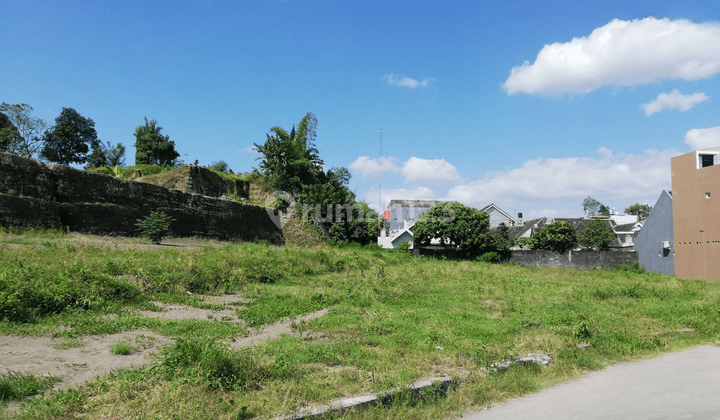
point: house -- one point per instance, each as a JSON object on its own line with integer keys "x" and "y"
{"x": 526, "y": 229}
{"x": 394, "y": 239}
{"x": 695, "y": 211}
{"x": 402, "y": 211}
{"x": 655, "y": 241}
{"x": 498, "y": 216}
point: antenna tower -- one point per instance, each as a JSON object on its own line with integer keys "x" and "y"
{"x": 380, "y": 176}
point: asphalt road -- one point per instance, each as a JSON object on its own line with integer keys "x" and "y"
{"x": 683, "y": 385}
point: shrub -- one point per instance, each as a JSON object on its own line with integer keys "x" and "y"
{"x": 154, "y": 226}
{"x": 403, "y": 246}
{"x": 597, "y": 235}
{"x": 214, "y": 363}
{"x": 557, "y": 236}
{"x": 489, "y": 257}
{"x": 630, "y": 268}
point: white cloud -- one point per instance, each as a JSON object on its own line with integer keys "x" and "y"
{"x": 418, "y": 193}
{"x": 622, "y": 53}
{"x": 371, "y": 168}
{"x": 404, "y": 81}
{"x": 428, "y": 172}
{"x": 674, "y": 100}
{"x": 610, "y": 176}
{"x": 703, "y": 138}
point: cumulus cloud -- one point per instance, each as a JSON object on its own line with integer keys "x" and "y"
{"x": 703, "y": 138}
{"x": 622, "y": 53}
{"x": 372, "y": 196}
{"x": 371, "y": 168}
{"x": 429, "y": 172}
{"x": 674, "y": 100}
{"x": 608, "y": 176}
{"x": 404, "y": 81}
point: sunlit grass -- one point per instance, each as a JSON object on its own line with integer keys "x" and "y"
{"x": 392, "y": 319}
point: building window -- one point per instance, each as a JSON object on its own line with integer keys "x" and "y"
{"x": 707, "y": 160}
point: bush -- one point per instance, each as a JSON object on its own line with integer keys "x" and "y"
{"x": 403, "y": 246}
{"x": 597, "y": 235}
{"x": 489, "y": 257}
{"x": 630, "y": 268}
{"x": 214, "y": 363}
{"x": 154, "y": 226}
{"x": 557, "y": 236}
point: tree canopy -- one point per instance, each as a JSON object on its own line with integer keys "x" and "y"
{"x": 291, "y": 161}
{"x": 456, "y": 225}
{"x": 20, "y": 132}
{"x": 557, "y": 236}
{"x": 592, "y": 207}
{"x": 153, "y": 148}
{"x": 70, "y": 139}
{"x": 641, "y": 210}
{"x": 597, "y": 235}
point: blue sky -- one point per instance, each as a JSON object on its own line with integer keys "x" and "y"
{"x": 462, "y": 118}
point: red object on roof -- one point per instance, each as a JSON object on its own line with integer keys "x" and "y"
{"x": 386, "y": 215}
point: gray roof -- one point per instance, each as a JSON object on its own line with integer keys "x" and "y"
{"x": 415, "y": 203}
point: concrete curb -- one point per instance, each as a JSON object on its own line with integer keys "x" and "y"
{"x": 365, "y": 401}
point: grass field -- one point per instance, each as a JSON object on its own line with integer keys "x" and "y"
{"x": 392, "y": 319}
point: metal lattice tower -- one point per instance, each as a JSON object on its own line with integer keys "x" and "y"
{"x": 380, "y": 176}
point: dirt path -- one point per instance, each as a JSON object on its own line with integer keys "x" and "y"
{"x": 44, "y": 355}
{"x": 87, "y": 358}
{"x": 275, "y": 330}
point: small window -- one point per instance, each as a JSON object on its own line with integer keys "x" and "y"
{"x": 707, "y": 160}
{"x": 707, "y": 195}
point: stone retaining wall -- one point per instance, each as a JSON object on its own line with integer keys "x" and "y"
{"x": 36, "y": 195}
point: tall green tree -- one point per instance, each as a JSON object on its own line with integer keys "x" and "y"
{"x": 23, "y": 134}
{"x": 597, "y": 236}
{"x": 153, "y": 148}
{"x": 641, "y": 210}
{"x": 8, "y": 133}
{"x": 291, "y": 161}
{"x": 70, "y": 139}
{"x": 592, "y": 207}
{"x": 114, "y": 155}
{"x": 557, "y": 236}
{"x": 456, "y": 225}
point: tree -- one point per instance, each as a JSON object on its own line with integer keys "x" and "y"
{"x": 458, "y": 225}
{"x": 641, "y": 210}
{"x": 154, "y": 226}
{"x": 70, "y": 140}
{"x": 8, "y": 133}
{"x": 557, "y": 236}
{"x": 290, "y": 161}
{"x": 97, "y": 158}
{"x": 604, "y": 210}
{"x": 592, "y": 207}
{"x": 114, "y": 155}
{"x": 597, "y": 235}
{"x": 363, "y": 230}
{"x": 25, "y": 139}
{"x": 152, "y": 148}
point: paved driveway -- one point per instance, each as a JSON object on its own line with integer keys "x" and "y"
{"x": 684, "y": 385}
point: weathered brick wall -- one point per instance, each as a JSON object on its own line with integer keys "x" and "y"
{"x": 579, "y": 260}
{"x": 33, "y": 194}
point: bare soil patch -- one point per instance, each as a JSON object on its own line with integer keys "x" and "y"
{"x": 41, "y": 355}
{"x": 275, "y": 330}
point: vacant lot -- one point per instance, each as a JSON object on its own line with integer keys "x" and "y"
{"x": 256, "y": 330}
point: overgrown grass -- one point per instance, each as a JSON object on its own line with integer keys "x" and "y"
{"x": 121, "y": 348}
{"x": 16, "y": 386}
{"x": 392, "y": 319}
